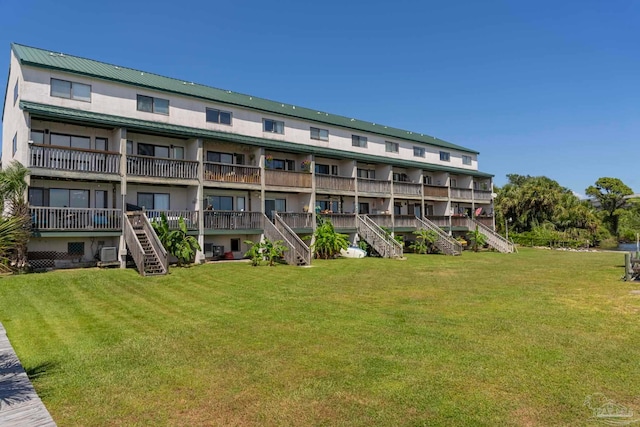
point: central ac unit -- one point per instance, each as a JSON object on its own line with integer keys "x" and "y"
{"x": 109, "y": 254}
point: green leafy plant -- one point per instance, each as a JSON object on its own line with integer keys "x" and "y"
{"x": 397, "y": 238}
{"x": 477, "y": 238}
{"x": 268, "y": 250}
{"x": 328, "y": 242}
{"x": 425, "y": 241}
{"x": 177, "y": 242}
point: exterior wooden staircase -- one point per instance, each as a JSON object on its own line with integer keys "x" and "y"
{"x": 445, "y": 243}
{"x": 148, "y": 253}
{"x": 297, "y": 253}
{"x": 379, "y": 240}
{"x": 494, "y": 239}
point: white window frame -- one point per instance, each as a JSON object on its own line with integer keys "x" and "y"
{"x": 359, "y": 141}
{"x": 154, "y": 108}
{"x": 277, "y": 126}
{"x": 419, "y": 151}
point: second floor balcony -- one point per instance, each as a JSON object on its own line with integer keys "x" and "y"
{"x": 377, "y": 186}
{"x": 283, "y": 178}
{"x": 407, "y": 189}
{"x": 335, "y": 183}
{"x": 46, "y": 218}
{"x": 223, "y": 172}
{"x": 482, "y": 195}
{"x": 161, "y": 168}
{"x": 233, "y": 220}
{"x": 190, "y": 218}
{"x": 461, "y": 193}
{"x": 73, "y": 159}
{"x": 435, "y": 191}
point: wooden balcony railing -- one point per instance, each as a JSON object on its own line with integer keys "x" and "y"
{"x": 233, "y": 220}
{"x": 73, "y": 159}
{"x": 460, "y": 221}
{"x": 161, "y": 168}
{"x": 405, "y": 221}
{"x": 407, "y": 188}
{"x": 173, "y": 218}
{"x": 231, "y": 173}
{"x": 287, "y": 178}
{"x": 435, "y": 191}
{"x": 340, "y": 220}
{"x": 439, "y": 220}
{"x": 481, "y": 195}
{"x": 382, "y": 220}
{"x": 366, "y": 185}
{"x": 49, "y": 219}
{"x": 330, "y": 182}
{"x": 485, "y": 220}
{"x": 461, "y": 193}
{"x": 297, "y": 220}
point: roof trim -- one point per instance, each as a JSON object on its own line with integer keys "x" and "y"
{"x": 41, "y": 58}
{"x": 86, "y": 117}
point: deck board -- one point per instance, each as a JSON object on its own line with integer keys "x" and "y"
{"x": 19, "y": 402}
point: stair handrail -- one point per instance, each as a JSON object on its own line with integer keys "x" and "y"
{"x": 137, "y": 253}
{"x": 504, "y": 244}
{"x": 271, "y": 230}
{"x": 396, "y": 248}
{"x": 299, "y": 246}
{"x": 443, "y": 236}
{"x": 156, "y": 244}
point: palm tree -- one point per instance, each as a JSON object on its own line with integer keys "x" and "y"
{"x": 15, "y": 223}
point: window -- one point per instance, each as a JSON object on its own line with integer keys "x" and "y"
{"x": 154, "y": 201}
{"x": 400, "y": 177}
{"x": 273, "y": 126}
{"x": 129, "y": 147}
{"x": 217, "y": 116}
{"x": 68, "y": 198}
{"x": 445, "y": 156}
{"x": 228, "y": 158}
{"x": 327, "y": 206}
{"x": 326, "y": 169}
{"x": 418, "y": 151}
{"x": 397, "y": 208}
{"x": 14, "y": 143}
{"x": 220, "y": 203}
{"x": 283, "y": 164}
{"x": 70, "y": 90}
{"x": 102, "y": 144}
{"x": 359, "y": 141}
{"x": 102, "y": 201}
{"x": 391, "y": 147}
{"x": 153, "y": 150}
{"x": 235, "y": 245}
{"x": 37, "y": 136}
{"x": 15, "y": 92}
{"x": 153, "y": 105}
{"x": 321, "y": 134}
{"x": 453, "y": 183}
{"x": 75, "y": 248}
{"x": 70, "y": 141}
{"x": 36, "y": 196}
{"x": 366, "y": 173}
{"x": 427, "y": 179}
{"x": 178, "y": 152}
{"x": 466, "y": 160}
{"x": 363, "y": 208}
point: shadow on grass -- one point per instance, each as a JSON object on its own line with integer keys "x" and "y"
{"x": 15, "y": 386}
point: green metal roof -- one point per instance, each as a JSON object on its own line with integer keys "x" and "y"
{"x": 87, "y": 117}
{"x": 73, "y": 64}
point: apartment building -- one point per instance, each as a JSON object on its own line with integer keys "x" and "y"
{"x": 111, "y": 148}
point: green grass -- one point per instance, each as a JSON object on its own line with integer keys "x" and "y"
{"x": 482, "y": 339}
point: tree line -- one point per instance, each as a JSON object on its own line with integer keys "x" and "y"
{"x": 537, "y": 210}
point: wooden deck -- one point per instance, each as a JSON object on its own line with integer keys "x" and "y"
{"x": 19, "y": 402}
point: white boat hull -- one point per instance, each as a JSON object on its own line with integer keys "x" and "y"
{"x": 353, "y": 253}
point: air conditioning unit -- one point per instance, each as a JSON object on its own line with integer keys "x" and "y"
{"x": 109, "y": 254}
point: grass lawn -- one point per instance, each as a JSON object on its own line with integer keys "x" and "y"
{"x": 482, "y": 339}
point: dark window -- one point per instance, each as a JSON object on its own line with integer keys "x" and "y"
{"x": 363, "y": 208}
{"x": 218, "y": 116}
{"x": 321, "y": 134}
{"x": 153, "y": 150}
{"x": 37, "y": 136}
{"x": 235, "y": 245}
{"x": 71, "y": 198}
{"x": 15, "y": 92}
{"x": 36, "y": 196}
{"x": 418, "y": 152}
{"x": 220, "y": 203}
{"x": 391, "y": 147}
{"x": 75, "y": 248}
{"x": 445, "y": 156}
{"x": 70, "y": 90}
{"x": 154, "y": 201}
{"x": 466, "y": 160}
{"x": 72, "y": 141}
{"x": 359, "y": 141}
{"x": 366, "y": 173}
{"x": 153, "y": 105}
{"x": 327, "y": 206}
{"x": 102, "y": 200}
{"x": 102, "y": 144}
{"x": 322, "y": 169}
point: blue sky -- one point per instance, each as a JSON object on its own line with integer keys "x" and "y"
{"x": 540, "y": 88}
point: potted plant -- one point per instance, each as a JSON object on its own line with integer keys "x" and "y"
{"x": 305, "y": 166}
{"x": 268, "y": 161}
